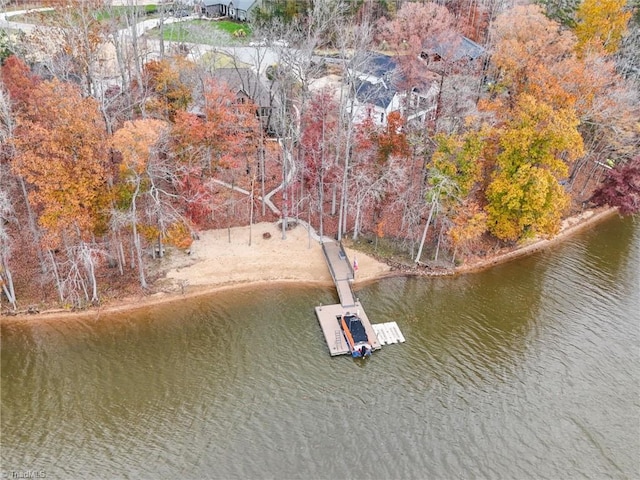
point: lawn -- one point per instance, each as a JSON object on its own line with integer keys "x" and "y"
{"x": 206, "y": 32}
{"x": 47, "y": 16}
{"x": 232, "y": 27}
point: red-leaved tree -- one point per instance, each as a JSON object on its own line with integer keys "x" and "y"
{"x": 621, "y": 188}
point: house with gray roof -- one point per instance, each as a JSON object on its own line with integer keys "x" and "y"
{"x": 235, "y": 9}
{"x": 380, "y": 90}
{"x": 247, "y": 87}
{"x": 454, "y": 50}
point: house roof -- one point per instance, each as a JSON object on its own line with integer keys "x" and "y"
{"x": 379, "y": 65}
{"x": 453, "y": 48}
{"x": 377, "y": 80}
{"x": 244, "y": 80}
{"x": 243, "y": 4}
{"x": 381, "y": 79}
{"x": 238, "y": 4}
{"x": 379, "y": 94}
{"x": 374, "y": 83}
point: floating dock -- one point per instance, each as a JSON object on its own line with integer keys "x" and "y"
{"x": 328, "y": 315}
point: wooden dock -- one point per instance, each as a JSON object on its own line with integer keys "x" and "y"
{"x": 328, "y": 315}
{"x": 341, "y": 271}
{"x": 328, "y": 319}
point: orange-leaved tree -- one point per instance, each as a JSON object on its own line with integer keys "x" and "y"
{"x": 529, "y": 50}
{"x": 166, "y": 91}
{"x": 221, "y": 142}
{"x": 60, "y": 152}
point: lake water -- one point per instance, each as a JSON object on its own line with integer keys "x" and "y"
{"x": 529, "y": 370}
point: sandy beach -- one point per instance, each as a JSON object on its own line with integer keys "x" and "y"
{"x": 243, "y": 255}
{"x": 231, "y": 258}
{"x": 251, "y": 256}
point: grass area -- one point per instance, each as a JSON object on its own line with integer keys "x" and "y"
{"x": 45, "y": 17}
{"x": 233, "y": 28}
{"x": 214, "y": 60}
{"x": 206, "y": 32}
{"x": 117, "y": 12}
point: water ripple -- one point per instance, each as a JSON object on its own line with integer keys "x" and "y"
{"x": 524, "y": 371}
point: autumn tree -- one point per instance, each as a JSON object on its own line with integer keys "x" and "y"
{"x": 536, "y": 146}
{"x": 391, "y": 139}
{"x": 534, "y": 56}
{"x": 6, "y": 216}
{"x": 406, "y": 34}
{"x": 290, "y": 86}
{"x": 601, "y": 24}
{"x": 621, "y": 188}
{"x": 468, "y": 226}
{"x": 441, "y": 188}
{"x": 529, "y": 50}
{"x": 472, "y": 18}
{"x": 166, "y": 89}
{"x": 73, "y": 37}
{"x": 220, "y": 147}
{"x": 453, "y": 171}
{"x": 60, "y": 152}
{"x": 19, "y": 82}
{"x": 378, "y": 168}
{"x": 137, "y": 144}
{"x": 319, "y": 131}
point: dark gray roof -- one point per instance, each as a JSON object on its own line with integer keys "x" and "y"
{"x": 453, "y": 48}
{"x": 247, "y": 81}
{"x": 379, "y": 65}
{"x": 384, "y": 69}
{"x": 379, "y": 94}
{"x": 239, "y": 4}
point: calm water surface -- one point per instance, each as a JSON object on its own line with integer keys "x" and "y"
{"x": 528, "y": 371}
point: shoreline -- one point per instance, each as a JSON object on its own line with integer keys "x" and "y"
{"x": 371, "y": 270}
{"x": 571, "y": 226}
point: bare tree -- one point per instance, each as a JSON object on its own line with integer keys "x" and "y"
{"x": 370, "y": 187}
{"x": 354, "y": 47}
{"x": 442, "y": 186}
{"x": 6, "y": 215}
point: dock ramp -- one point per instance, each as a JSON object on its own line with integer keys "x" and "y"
{"x": 343, "y": 275}
{"x": 341, "y": 271}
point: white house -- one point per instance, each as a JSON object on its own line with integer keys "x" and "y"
{"x": 235, "y": 9}
{"x": 379, "y": 92}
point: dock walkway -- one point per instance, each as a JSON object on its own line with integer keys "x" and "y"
{"x": 329, "y": 315}
{"x": 341, "y": 272}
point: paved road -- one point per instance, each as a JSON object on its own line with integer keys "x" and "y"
{"x": 24, "y": 27}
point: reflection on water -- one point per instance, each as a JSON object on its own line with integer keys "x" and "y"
{"x": 528, "y": 370}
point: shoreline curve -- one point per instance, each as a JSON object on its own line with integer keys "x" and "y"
{"x": 374, "y": 271}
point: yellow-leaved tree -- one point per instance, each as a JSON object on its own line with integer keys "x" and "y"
{"x": 525, "y": 197}
{"x": 601, "y": 24}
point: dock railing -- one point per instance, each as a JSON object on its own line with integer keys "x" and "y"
{"x": 337, "y": 258}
